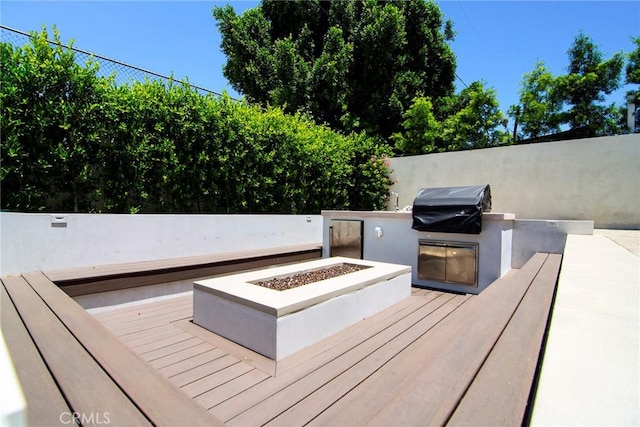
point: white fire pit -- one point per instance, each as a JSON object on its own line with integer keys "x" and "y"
{"x": 278, "y": 323}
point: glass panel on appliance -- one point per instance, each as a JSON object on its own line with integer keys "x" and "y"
{"x": 461, "y": 265}
{"x": 431, "y": 262}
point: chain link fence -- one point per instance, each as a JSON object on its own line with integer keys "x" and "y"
{"x": 123, "y": 73}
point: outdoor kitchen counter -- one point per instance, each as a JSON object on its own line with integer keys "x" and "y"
{"x": 387, "y": 236}
{"x": 337, "y": 214}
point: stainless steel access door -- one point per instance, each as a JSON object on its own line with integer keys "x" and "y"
{"x": 346, "y": 238}
{"x": 431, "y": 262}
{"x": 450, "y": 262}
{"x": 462, "y": 264}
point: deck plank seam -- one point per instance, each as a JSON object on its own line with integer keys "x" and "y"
{"x": 140, "y": 309}
{"x": 159, "y": 341}
{"x": 158, "y": 363}
{"x": 209, "y": 374}
{"x": 135, "y": 339}
{"x": 143, "y": 319}
{"x": 145, "y": 326}
{"x": 173, "y": 348}
{"x": 219, "y": 356}
{"x": 134, "y": 342}
{"x": 148, "y": 317}
{"x": 241, "y": 391}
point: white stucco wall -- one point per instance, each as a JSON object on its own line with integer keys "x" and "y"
{"x": 30, "y": 241}
{"x": 594, "y": 179}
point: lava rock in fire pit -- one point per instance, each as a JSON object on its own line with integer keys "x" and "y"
{"x": 311, "y": 276}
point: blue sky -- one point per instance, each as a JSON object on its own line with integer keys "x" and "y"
{"x": 497, "y": 41}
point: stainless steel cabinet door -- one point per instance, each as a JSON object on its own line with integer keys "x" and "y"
{"x": 450, "y": 262}
{"x": 461, "y": 265}
{"x": 346, "y": 238}
{"x": 431, "y": 262}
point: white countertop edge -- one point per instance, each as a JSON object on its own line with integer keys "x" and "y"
{"x": 487, "y": 216}
{"x": 238, "y": 289}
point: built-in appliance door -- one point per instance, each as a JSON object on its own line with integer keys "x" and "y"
{"x": 346, "y": 238}
{"x": 431, "y": 262}
{"x": 450, "y": 262}
{"x": 462, "y": 264}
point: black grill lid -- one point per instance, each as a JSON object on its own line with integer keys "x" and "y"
{"x": 451, "y": 209}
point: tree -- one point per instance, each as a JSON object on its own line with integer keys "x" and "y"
{"x": 353, "y": 65}
{"x": 583, "y": 89}
{"x": 472, "y": 120}
{"x": 632, "y": 71}
{"x": 421, "y": 129}
{"x": 539, "y": 108}
{"x": 476, "y": 120}
{"x": 575, "y": 99}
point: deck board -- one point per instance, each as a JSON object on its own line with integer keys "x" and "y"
{"x": 181, "y": 355}
{"x": 143, "y": 310}
{"x": 222, "y": 376}
{"x": 149, "y": 336}
{"x": 206, "y": 370}
{"x": 191, "y": 362}
{"x": 46, "y": 403}
{"x": 145, "y": 388}
{"x": 511, "y": 365}
{"x": 167, "y": 346}
{"x": 320, "y": 395}
{"x": 151, "y": 321}
{"x": 232, "y": 388}
{"x": 408, "y": 364}
{"x": 65, "y": 357}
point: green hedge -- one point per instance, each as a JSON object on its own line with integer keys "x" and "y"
{"x": 74, "y": 141}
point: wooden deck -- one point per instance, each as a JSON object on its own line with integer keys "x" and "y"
{"x": 433, "y": 359}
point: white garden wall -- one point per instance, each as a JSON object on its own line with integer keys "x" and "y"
{"x": 594, "y": 179}
{"x": 48, "y": 242}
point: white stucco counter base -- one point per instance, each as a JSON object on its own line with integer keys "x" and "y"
{"x": 279, "y": 323}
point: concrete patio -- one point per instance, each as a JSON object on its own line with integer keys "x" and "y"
{"x": 591, "y": 369}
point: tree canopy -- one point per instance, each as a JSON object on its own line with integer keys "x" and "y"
{"x": 632, "y": 71}
{"x": 353, "y": 65}
{"x": 470, "y": 119}
{"x": 574, "y": 99}
{"x": 537, "y": 113}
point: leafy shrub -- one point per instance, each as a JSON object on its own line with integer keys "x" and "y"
{"x": 74, "y": 141}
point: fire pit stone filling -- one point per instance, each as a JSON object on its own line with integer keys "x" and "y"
{"x": 310, "y": 276}
{"x": 277, "y": 323}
